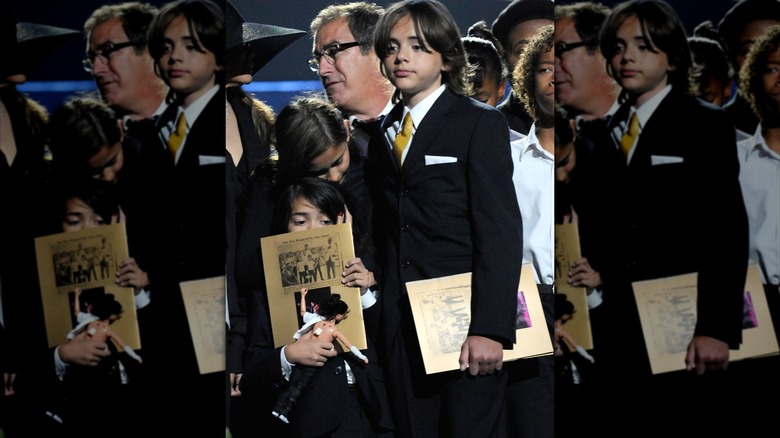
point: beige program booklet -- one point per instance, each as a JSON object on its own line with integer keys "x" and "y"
{"x": 667, "y": 311}
{"x": 567, "y": 250}
{"x": 311, "y": 259}
{"x": 204, "y": 302}
{"x": 441, "y": 308}
{"x": 87, "y": 260}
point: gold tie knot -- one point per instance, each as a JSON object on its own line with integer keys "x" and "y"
{"x": 177, "y": 136}
{"x": 402, "y": 138}
{"x": 629, "y": 137}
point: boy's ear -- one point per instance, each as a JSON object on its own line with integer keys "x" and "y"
{"x": 502, "y": 90}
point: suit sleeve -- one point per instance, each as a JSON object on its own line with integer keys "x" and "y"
{"x": 496, "y": 229}
{"x": 723, "y": 254}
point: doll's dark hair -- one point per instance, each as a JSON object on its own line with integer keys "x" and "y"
{"x": 331, "y": 306}
{"x": 106, "y": 305}
{"x": 563, "y": 306}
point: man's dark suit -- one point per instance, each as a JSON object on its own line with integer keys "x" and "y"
{"x": 445, "y": 219}
{"x": 660, "y": 210}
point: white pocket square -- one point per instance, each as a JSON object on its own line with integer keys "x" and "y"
{"x": 210, "y": 159}
{"x": 664, "y": 159}
{"x": 439, "y": 159}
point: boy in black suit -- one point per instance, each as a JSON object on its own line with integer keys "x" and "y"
{"x": 186, "y": 174}
{"x": 452, "y": 210}
{"x": 671, "y": 161}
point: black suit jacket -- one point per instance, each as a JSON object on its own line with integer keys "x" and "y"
{"x": 450, "y": 218}
{"x": 682, "y": 182}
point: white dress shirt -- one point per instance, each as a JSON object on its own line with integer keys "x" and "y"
{"x": 534, "y": 176}
{"x": 759, "y": 177}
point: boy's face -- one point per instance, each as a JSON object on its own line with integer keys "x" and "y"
{"x": 640, "y": 71}
{"x": 545, "y": 85}
{"x": 518, "y": 38}
{"x": 772, "y": 80}
{"x": 305, "y": 216}
{"x": 415, "y": 72}
{"x": 750, "y": 32}
{"x": 186, "y": 70}
{"x": 80, "y": 216}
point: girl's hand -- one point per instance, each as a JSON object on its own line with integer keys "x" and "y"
{"x": 130, "y": 274}
{"x": 355, "y": 274}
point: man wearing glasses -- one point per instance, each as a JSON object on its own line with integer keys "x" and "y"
{"x": 582, "y": 85}
{"x": 118, "y": 59}
{"x": 344, "y": 59}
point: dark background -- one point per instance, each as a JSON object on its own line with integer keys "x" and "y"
{"x": 287, "y": 75}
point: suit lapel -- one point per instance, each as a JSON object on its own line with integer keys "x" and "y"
{"x": 429, "y": 129}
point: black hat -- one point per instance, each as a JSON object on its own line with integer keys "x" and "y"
{"x": 519, "y": 11}
{"x": 742, "y": 13}
{"x": 263, "y": 40}
{"x": 26, "y": 44}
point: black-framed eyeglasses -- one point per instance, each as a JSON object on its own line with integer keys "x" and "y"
{"x": 329, "y": 53}
{"x": 562, "y": 48}
{"x": 104, "y": 52}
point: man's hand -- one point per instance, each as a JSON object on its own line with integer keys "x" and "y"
{"x": 582, "y": 274}
{"x": 130, "y": 274}
{"x": 309, "y": 351}
{"x": 707, "y": 354}
{"x": 8, "y": 384}
{"x": 235, "y": 381}
{"x": 83, "y": 350}
{"x": 481, "y": 355}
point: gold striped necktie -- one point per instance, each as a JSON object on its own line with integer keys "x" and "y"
{"x": 402, "y": 138}
{"x": 177, "y": 136}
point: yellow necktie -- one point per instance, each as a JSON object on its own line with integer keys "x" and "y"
{"x": 629, "y": 137}
{"x": 177, "y": 136}
{"x": 402, "y": 138}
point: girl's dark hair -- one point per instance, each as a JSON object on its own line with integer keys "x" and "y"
{"x": 206, "y": 23}
{"x": 438, "y": 30}
{"x": 99, "y": 195}
{"x": 483, "y": 52}
{"x": 662, "y": 30}
{"x": 322, "y": 194}
{"x": 709, "y": 61}
{"x": 106, "y": 305}
{"x": 77, "y": 130}
{"x": 305, "y": 128}
{"x": 751, "y": 77}
{"x": 525, "y": 70}
{"x": 331, "y": 306}
{"x": 330, "y": 198}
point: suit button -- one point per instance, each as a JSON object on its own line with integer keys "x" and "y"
{"x": 405, "y": 227}
{"x": 405, "y": 264}
{"x": 337, "y": 371}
